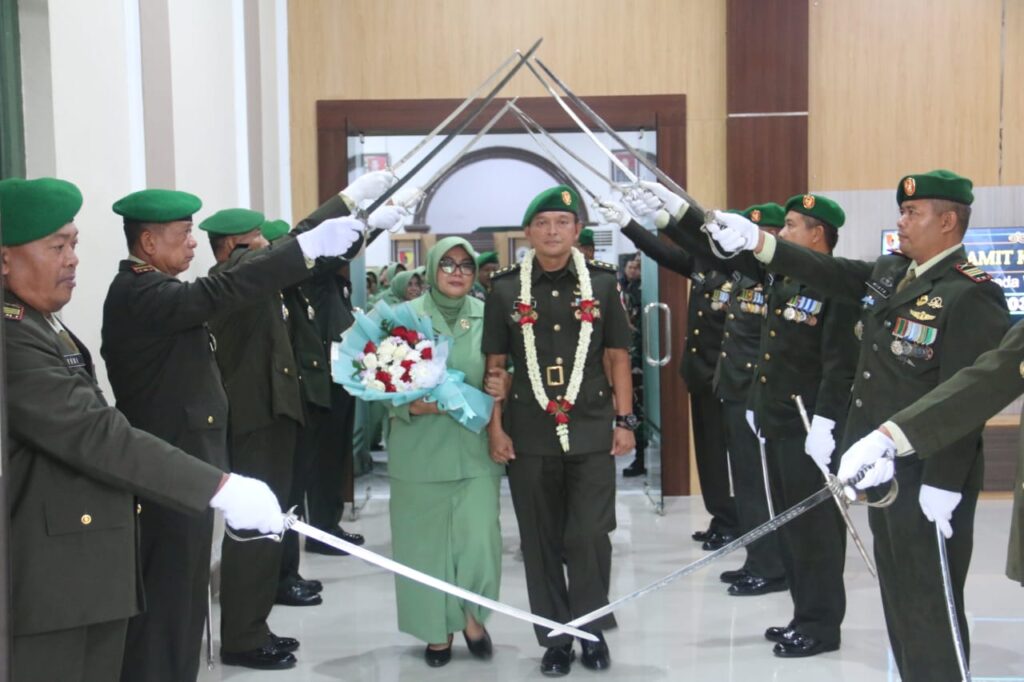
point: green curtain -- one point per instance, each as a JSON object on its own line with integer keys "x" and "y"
{"x": 12, "y": 124}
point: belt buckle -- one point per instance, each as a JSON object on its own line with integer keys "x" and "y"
{"x": 555, "y": 375}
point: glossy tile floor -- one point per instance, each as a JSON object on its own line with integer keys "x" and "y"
{"x": 690, "y": 630}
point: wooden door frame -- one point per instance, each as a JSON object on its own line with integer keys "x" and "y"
{"x": 337, "y": 120}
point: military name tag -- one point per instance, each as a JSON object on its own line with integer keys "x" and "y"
{"x": 74, "y": 361}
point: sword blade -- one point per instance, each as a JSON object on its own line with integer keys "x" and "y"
{"x": 209, "y": 627}
{"x": 429, "y": 580}
{"x": 954, "y": 622}
{"x": 554, "y": 159}
{"x": 451, "y": 117}
{"x": 764, "y": 473}
{"x": 740, "y": 542}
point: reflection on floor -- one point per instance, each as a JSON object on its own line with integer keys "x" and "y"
{"x": 690, "y": 630}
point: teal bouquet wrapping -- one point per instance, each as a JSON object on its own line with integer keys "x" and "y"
{"x": 394, "y": 355}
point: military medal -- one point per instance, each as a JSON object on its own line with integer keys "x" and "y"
{"x": 720, "y": 298}
{"x": 310, "y": 312}
{"x": 790, "y": 314}
{"x": 858, "y": 329}
{"x": 913, "y": 339}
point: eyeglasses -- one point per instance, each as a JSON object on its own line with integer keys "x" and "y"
{"x": 449, "y": 266}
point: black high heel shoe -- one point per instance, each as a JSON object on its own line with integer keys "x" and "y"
{"x": 436, "y": 658}
{"x": 480, "y": 648}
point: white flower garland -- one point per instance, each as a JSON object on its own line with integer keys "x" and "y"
{"x": 558, "y": 410}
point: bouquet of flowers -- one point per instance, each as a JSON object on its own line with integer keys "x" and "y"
{"x": 393, "y": 355}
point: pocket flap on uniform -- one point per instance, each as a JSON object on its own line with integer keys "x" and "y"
{"x": 65, "y": 518}
{"x": 206, "y": 417}
{"x": 314, "y": 361}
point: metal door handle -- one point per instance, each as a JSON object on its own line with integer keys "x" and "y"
{"x": 648, "y": 332}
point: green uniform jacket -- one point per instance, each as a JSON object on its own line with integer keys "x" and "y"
{"x": 705, "y": 313}
{"x": 435, "y": 447}
{"x": 958, "y": 407}
{"x": 310, "y": 353}
{"x": 557, "y": 333}
{"x": 75, "y": 465}
{"x": 160, "y": 352}
{"x": 810, "y": 355}
{"x": 963, "y": 314}
{"x": 741, "y": 339}
{"x": 255, "y": 355}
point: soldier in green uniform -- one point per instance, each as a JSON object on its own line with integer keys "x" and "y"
{"x": 926, "y": 313}
{"x": 632, "y": 300}
{"x": 585, "y": 243}
{"x": 160, "y": 360}
{"x": 486, "y": 265}
{"x": 76, "y": 463}
{"x": 557, "y": 317}
{"x": 808, "y": 349}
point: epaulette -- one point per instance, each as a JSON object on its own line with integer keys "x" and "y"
{"x": 601, "y": 265}
{"x": 505, "y": 271}
{"x": 14, "y": 312}
{"x": 972, "y": 272}
{"x": 142, "y": 268}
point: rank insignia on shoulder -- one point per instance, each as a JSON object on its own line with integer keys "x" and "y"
{"x": 506, "y": 270}
{"x": 972, "y": 272}
{"x": 601, "y": 265}
{"x": 142, "y": 268}
{"x": 14, "y": 312}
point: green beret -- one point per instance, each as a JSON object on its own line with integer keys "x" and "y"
{"x": 33, "y": 209}
{"x": 766, "y": 215}
{"x": 232, "y": 221}
{"x": 274, "y": 229}
{"x": 937, "y": 184}
{"x": 586, "y": 237}
{"x": 157, "y": 206}
{"x": 817, "y": 206}
{"x": 560, "y": 198}
{"x": 485, "y": 257}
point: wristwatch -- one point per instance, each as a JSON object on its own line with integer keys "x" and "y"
{"x": 627, "y": 421}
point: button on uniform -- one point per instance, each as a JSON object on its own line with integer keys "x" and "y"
{"x": 86, "y": 519}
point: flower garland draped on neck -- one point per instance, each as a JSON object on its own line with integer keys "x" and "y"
{"x": 528, "y": 317}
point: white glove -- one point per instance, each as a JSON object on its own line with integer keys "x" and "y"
{"x": 674, "y": 203}
{"x": 248, "y": 504}
{"x": 333, "y": 237}
{"x": 409, "y": 197}
{"x": 938, "y": 505}
{"x": 733, "y": 232}
{"x": 614, "y": 212}
{"x": 387, "y": 217}
{"x": 820, "y": 443}
{"x": 641, "y": 203}
{"x": 875, "y": 450}
{"x": 369, "y": 186}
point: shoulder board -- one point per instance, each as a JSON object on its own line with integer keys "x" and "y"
{"x": 142, "y": 268}
{"x": 14, "y": 311}
{"x": 505, "y": 271}
{"x": 972, "y": 272}
{"x": 601, "y": 265}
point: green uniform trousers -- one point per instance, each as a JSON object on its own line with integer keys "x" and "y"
{"x": 565, "y": 506}
{"x": 907, "y": 557}
{"x": 713, "y": 461}
{"x": 813, "y": 544}
{"x": 250, "y": 570}
{"x": 91, "y": 653}
{"x": 450, "y": 530}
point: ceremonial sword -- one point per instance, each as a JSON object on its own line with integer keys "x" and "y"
{"x": 954, "y": 622}
{"x": 526, "y": 126}
{"x": 833, "y": 487}
{"x": 839, "y": 497}
{"x": 764, "y": 473}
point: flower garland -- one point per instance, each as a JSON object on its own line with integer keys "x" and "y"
{"x": 527, "y": 317}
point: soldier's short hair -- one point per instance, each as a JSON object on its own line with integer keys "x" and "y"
{"x": 961, "y": 211}
{"x": 831, "y": 231}
{"x": 133, "y": 230}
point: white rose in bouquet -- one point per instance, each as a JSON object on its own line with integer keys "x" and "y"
{"x": 370, "y": 361}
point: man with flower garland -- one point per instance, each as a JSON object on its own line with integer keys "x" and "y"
{"x": 560, "y": 319}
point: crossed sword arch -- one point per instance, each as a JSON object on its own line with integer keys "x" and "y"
{"x": 833, "y": 486}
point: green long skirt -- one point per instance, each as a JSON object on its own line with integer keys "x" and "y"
{"x": 449, "y": 530}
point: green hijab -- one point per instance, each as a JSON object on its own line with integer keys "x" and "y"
{"x": 399, "y": 284}
{"x": 390, "y": 270}
{"x": 449, "y": 307}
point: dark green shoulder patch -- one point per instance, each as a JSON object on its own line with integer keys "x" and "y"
{"x": 14, "y": 312}
{"x": 142, "y": 268}
{"x": 601, "y": 265}
{"x": 972, "y": 272}
{"x": 505, "y": 271}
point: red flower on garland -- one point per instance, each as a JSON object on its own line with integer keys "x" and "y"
{"x": 587, "y": 310}
{"x": 559, "y": 410}
{"x": 527, "y": 315}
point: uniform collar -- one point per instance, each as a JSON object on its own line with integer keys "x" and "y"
{"x": 539, "y": 272}
{"x": 920, "y": 269}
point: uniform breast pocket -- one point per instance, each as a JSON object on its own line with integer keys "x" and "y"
{"x": 595, "y": 397}
{"x": 84, "y": 511}
{"x": 312, "y": 363}
{"x": 206, "y": 418}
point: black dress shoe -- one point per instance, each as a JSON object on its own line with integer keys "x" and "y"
{"x": 731, "y": 577}
{"x": 480, "y": 648}
{"x": 296, "y": 595}
{"x": 436, "y": 658}
{"x": 595, "y": 655}
{"x": 314, "y": 586}
{"x": 634, "y": 469}
{"x": 285, "y": 644}
{"x": 557, "y": 660}
{"x": 264, "y": 658}
{"x": 701, "y": 535}
{"x": 778, "y": 634}
{"x": 796, "y": 645}
{"x": 354, "y": 538}
{"x": 717, "y": 541}
{"x": 753, "y": 585}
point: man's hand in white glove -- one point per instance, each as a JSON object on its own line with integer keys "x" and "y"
{"x": 641, "y": 202}
{"x": 333, "y": 237}
{"x": 409, "y": 197}
{"x": 369, "y": 186}
{"x": 938, "y": 505}
{"x": 614, "y": 212}
{"x": 820, "y": 443}
{"x": 248, "y": 504}
{"x": 876, "y": 450}
{"x": 387, "y": 217}
{"x": 674, "y": 204}
{"x": 733, "y": 232}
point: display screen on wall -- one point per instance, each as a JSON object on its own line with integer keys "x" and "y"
{"x": 999, "y": 251}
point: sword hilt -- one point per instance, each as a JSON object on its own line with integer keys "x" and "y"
{"x": 710, "y": 219}
{"x": 837, "y": 485}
